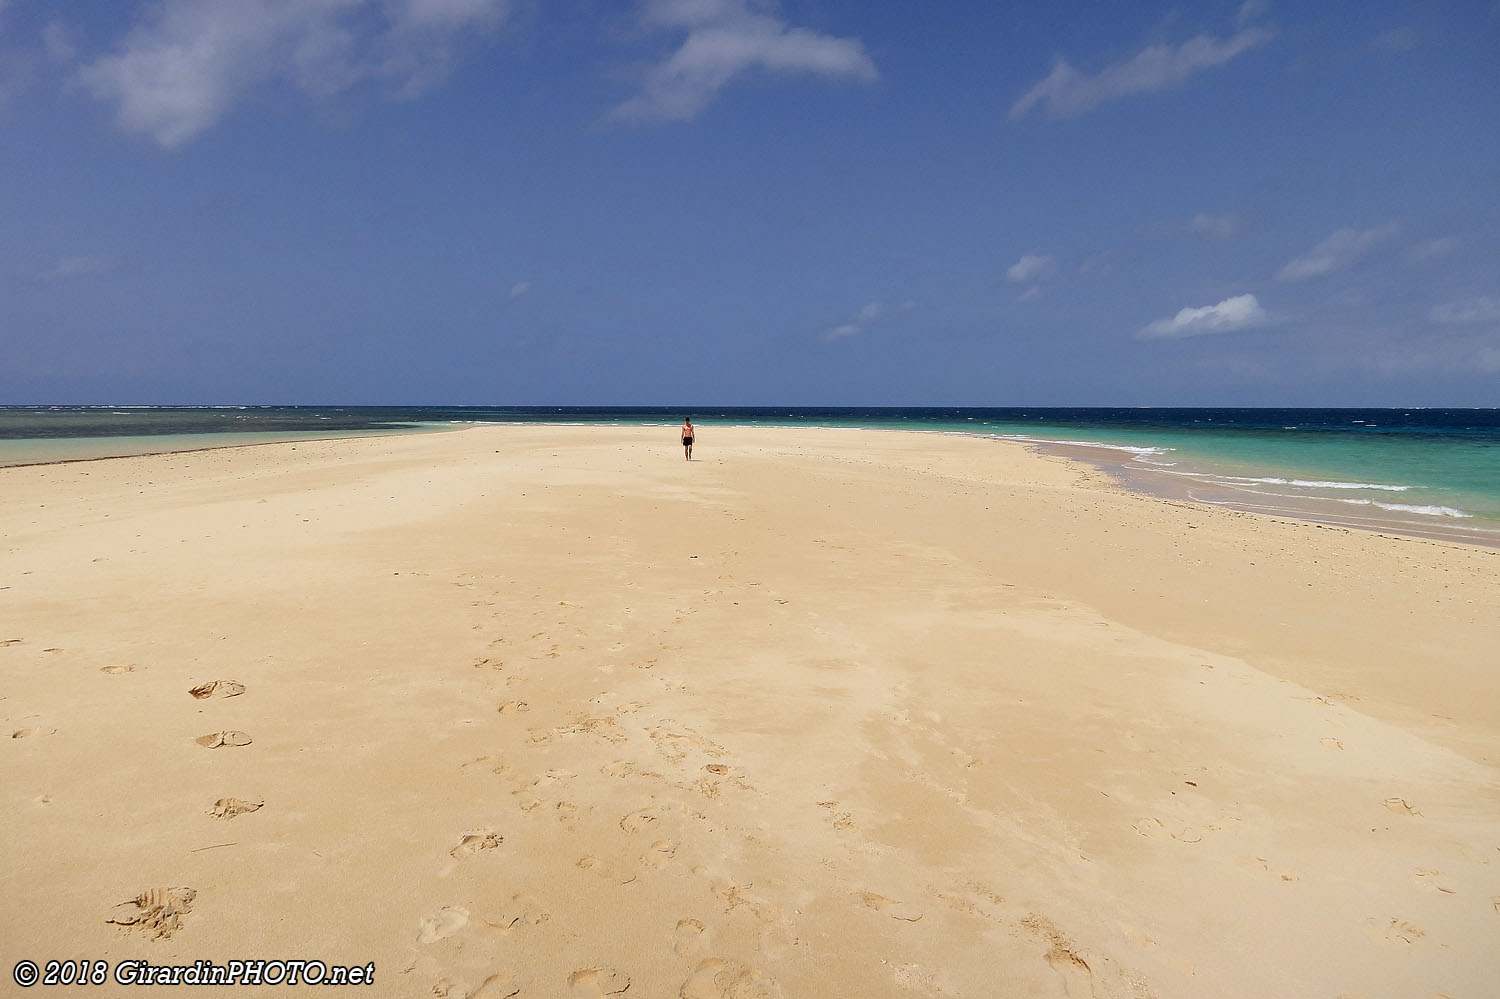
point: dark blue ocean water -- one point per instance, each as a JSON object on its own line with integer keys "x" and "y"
{"x": 1413, "y": 467}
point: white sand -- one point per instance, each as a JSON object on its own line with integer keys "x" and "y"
{"x": 820, "y": 713}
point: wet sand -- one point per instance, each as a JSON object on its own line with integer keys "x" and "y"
{"x": 1143, "y": 478}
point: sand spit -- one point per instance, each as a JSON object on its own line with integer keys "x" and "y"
{"x": 548, "y": 711}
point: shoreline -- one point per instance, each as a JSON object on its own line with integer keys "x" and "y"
{"x": 1132, "y": 477}
{"x": 227, "y": 443}
{"x": 1106, "y": 458}
{"x": 795, "y": 718}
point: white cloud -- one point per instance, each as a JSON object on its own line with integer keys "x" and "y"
{"x": 1473, "y": 310}
{"x": 1249, "y": 11}
{"x": 57, "y": 41}
{"x": 70, "y": 268}
{"x": 422, "y": 43}
{"x": 185, "y": 63}
{"x": 1431, "y": 249}
{"x": 867, "y": 315}
{"x": 1238, "y": 313}
{"x": 1065, "y": 91}
{"x": 1030, "y": 294}
{"x": 726, "y": 38}
{"x": 1216, "y": 226}
{"x": 1031, "y": 267}
{"x": 1335, "y": 253}
{"x": 519, "y": 288}
{"x": 1099, "y": 265}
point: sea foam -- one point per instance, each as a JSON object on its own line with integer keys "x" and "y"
{"x": 1319, "y": 483}
{"x": 1129, "y": 448}
{"x": 1426, "y": 510}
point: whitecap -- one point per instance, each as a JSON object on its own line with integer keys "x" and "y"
{"x": 1130, "y": 448}
{"x": 1432, "y": 511}
{"x": 1316, "y": 483}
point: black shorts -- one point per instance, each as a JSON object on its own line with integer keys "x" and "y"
{"x": 687, "y": 442}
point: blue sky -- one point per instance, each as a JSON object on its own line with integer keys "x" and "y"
{"x": 745, "y": 202}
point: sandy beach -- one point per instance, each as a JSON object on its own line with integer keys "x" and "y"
{"x": 549, "y": 711}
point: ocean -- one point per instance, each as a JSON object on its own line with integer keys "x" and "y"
{"x": 1421, "y": 472}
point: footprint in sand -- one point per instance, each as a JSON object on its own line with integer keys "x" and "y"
{"x": 1332, "y": 743}
{"x": 474, "y": 841}
{"x": 526, "y": 800}
{"x": 733, "y": 895}
{"x": 444, "y": 923}
{"x": 598, "y": 982}
{"x": 501, "y": 986}
{"x": 116, "y": 670}
{"x": 842, "y": 821}
{"x": 1152, "y": 828}
{"x": 1400, "y": 807}
{"x": 1400, "y": 931}
{"x": 605, "y": 870}
{"x": 26, "y": 733}
{"x": 659, "y": 853}
{"x": 228, "y": 808}
{"x": 675, "y": 746}
{"x": 1428, "y": 878}
{"x": 690, "y": 938}
{"x": 603, "y": 727}
{"x": 539, "y": 736}
{"x": 513, "y": 707}
{"x": 1078, "y": 980}
{"x": 567, "y": 814}
{"x": 218, "y": 688}
{"x": 1265, "y": 865}
{"x": 641, "y": 819}
{"x": 892, "y": 908}
{"x": 619, "y": 768}
{"x": 524, "y": 909}
{"x": 218, "y": 740}
{"x": 718, "y": 978}
{"x": 157, "y": 912}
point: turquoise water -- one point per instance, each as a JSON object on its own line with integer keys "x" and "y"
{"x": 1453, "y": 478}
{"x": 1448, "y": 488}
{"x": 1423, "y": 471}
{"x": 45, "y": 450}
